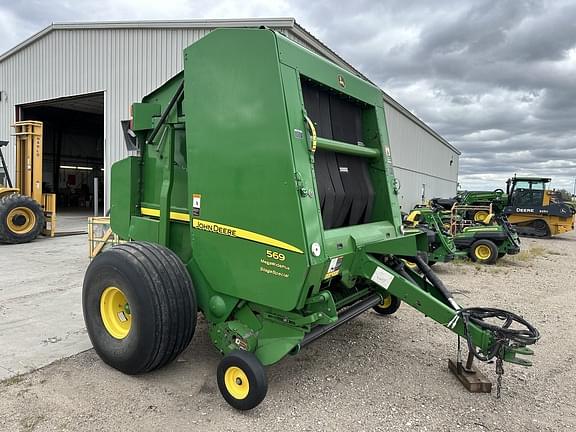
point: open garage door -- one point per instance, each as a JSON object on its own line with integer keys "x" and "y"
{"x": 73, "y": 153}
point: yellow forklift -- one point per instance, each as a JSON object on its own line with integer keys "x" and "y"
{"x": 25, "y": 211}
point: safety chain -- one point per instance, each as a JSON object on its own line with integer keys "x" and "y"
{"x": 499, "y": 372}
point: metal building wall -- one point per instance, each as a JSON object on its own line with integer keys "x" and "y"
{"x": 422, "y": 163}
{"x": 127, "y": 63}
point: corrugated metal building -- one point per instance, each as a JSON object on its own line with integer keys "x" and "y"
{"x": 80, "y": 79}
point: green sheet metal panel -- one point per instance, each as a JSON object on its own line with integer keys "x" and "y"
{"x": 240, "y": 165}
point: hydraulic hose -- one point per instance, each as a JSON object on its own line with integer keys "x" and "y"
{"x": 503, "y": 336}
{"x": 435, "y": 280}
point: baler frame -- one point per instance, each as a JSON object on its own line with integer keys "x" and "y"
{"x": 184, "y": 221}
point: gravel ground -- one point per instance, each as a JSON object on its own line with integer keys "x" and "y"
{"x": 374, "y": 373}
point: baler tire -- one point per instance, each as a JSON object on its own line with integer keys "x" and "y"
{"x": 388, "y": 306}
{"x": 21, "y": 219}
{"x": 242, "y": 380}
{"x": 152, "y": 285}
{"x": 484, "y": 251}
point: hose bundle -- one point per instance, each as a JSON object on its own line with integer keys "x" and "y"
{"x": 503, "y": 335}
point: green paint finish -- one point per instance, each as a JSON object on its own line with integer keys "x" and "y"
{"x": 143, "y": 228}
{"x": 327, "y": 144}
{"x": 275, "y": 340}
{"x": 241, "y": 119}
{"x": 303, "y": 168}
{"x": 167, "y": 183}
{"x": 443, "y": 248}
{"x": 143, "y": 115}
{"x": 323, "y": 71}
{"x": 229, "y": 184}
{"x": 124, "y": 195}
{"x": 448, "y": 246}
{"x": 427, "y": 301}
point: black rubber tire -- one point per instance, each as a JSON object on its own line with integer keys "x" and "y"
{"x": 491, "y": 259}
{"x": 162, "y": 304}
{"x": 388, "y": 310}
{"x": 10, "y": 202}
{"x": 255, "y": 372}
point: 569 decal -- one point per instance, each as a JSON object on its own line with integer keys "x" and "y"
{"x": 275, "y": 255}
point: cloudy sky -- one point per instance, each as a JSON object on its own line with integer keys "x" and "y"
{"x": 496, "y": 78}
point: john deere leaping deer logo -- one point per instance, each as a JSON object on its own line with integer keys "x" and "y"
{"x": 341, "y": 81}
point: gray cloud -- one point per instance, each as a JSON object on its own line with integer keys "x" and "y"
{"x": 496, "y": 78}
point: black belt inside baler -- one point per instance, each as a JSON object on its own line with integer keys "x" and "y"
{"x": 349, "y": 313}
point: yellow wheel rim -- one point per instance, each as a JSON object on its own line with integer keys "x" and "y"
{"x": 480, "y": 216}
{"x": 236, "y": 382}
{"x": 115, "y": 312}
{"x": 482, "y": 252}
{"x": 386, "y": 303}
{"x": 21, "y": 220}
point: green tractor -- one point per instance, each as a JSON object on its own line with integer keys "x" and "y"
{"x": 263, "y": 197}
{"x": 455, "y": 233}
{"x": 441, "y": 246}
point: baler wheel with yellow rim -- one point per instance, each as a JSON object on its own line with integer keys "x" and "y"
{"x": 139, "y": 306}
{"x": 484, "y": 252}
{"x": 389, "y": 305}
{"x": 242, "y": 380}
{"x": 21, "y": 219}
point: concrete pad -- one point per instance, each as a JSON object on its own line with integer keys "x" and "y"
{"x": 40, "y": 302}
{"x": 72, "y": 221}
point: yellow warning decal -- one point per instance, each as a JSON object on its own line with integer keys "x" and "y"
{"x": 241, "y": 233}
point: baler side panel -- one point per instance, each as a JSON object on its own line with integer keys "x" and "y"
{"x": 124, "y": 195}
{"x": 240, "y": 164}
{"x": 153, "y": 169}
{"x": 383, "y": 173}
{"x": 154, "y": 154}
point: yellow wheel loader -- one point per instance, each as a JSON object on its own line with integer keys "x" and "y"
{"x": 25, "y": 211}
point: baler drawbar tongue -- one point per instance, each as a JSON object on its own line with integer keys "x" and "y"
{"x": 485, "y": 339}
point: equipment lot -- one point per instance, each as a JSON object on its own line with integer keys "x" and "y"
{"x": 374, "y": 373}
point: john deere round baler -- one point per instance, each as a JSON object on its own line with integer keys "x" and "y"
{"x": 263, "y": 197}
